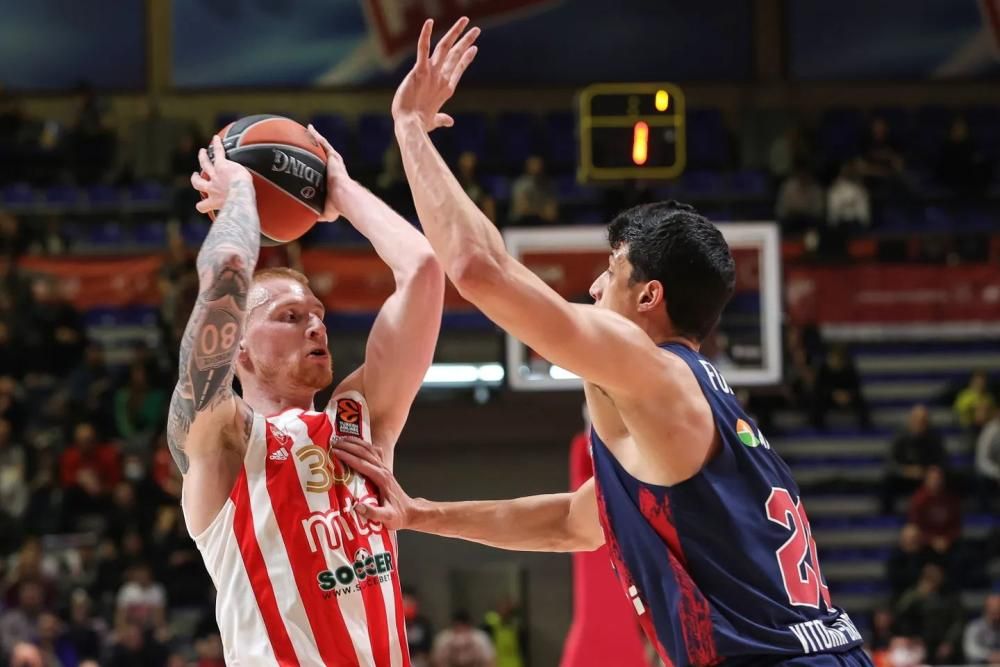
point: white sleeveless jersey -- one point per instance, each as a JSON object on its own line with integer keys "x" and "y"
{"x": 302, "y": 579}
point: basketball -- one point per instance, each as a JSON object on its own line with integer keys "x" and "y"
{"x": 288, "y": 169}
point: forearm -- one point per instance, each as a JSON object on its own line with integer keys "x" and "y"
{"x": 454, "y": 225}
{"x": 211, "y": 340}
{"x": 397, "y": 242}
{"x": 533, "y": 523}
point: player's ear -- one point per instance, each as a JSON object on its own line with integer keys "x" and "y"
{"x": 651, "y": 296}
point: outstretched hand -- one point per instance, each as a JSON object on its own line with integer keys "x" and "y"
{"x": 433, "y": 79}
{"x": 397, "y": 508}
{"x": 218, "y": 173}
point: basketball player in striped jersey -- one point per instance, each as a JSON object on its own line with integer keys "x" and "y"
{"x": 302, "y": 579}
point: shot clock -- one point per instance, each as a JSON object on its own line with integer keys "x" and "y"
{"x": 631, "y": 131}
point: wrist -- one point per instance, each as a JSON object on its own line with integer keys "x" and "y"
{"x": 420, "y": 514}
{"x": 407, "y": 121}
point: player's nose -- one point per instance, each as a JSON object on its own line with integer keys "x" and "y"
{"x": 596, "y": 291}
{"x": 316, "y": 330}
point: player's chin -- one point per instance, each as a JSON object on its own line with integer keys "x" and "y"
{"x": 316, "y": 376}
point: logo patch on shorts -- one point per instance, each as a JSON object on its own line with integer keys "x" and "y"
{"x": 348, "y": 418}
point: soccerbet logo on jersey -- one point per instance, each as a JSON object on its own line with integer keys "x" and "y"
{"x": 746, "y": 434}
{"x": 367, "y": 570}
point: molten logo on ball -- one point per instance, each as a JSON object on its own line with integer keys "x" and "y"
{"x": 289, "y": 165}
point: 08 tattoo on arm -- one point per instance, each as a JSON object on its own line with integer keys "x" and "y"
{"x": 211, "y": 340}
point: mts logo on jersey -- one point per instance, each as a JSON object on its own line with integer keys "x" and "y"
{"x": 332, "y": 529}
{"x": 368, "y": 569}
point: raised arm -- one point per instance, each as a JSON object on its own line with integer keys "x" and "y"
{"x": 205, "y": 414}
{"x": 558, "y": 522}
{"x": 472, "y": 251}
{"x": 401, "y": 343}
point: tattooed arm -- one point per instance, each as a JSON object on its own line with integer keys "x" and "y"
{"x": 205, "y": 415}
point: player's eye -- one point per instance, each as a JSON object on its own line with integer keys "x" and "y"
{"x": 291, "y": 316}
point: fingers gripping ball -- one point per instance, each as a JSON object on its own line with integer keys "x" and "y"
{"x": 288, "y": 169}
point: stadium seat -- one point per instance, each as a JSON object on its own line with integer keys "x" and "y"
{"x": 841, "y": 133}
{"x": 336, "y": 129}
{"x": 707, "y": 139}
{"x": 470, "y": 133}
{"x": 149, "y": 193}
{"x": 150, "y": 234}
{"x": 374, "y": 137}
{"x": 103, "y": 195}
{"x": 18, "y": 194}
{"x": 560, "y": 141}
{"x": 62, "y": 196}
{"x": 750, "y": 183}
{"x": 498, "y": 186}
{"x": 516, "y": 138}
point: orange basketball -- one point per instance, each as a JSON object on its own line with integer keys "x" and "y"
{"x": 288, "y": 169}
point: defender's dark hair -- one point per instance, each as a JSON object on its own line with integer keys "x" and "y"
{"x": 671, "y": 242}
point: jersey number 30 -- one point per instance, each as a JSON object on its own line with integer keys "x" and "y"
{"x": 797, "y": 558}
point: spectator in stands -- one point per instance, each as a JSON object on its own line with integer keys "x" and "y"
{"x": 139, "y": 409}
{"x": 55, "y": 647}
{"x": 44, "y": 513}
{"x": 462, "y": 645}
{"x": 847, "y": 202}
{"x": 19, "y": 623}
{"x": 532, "y": 196}
{"x": 883, "y": 625}
{"x": 108, "y": 575}
{"x": 54, "y": 332}
{"x": 881, "y": 163}
{"x": 838, "y": 387}
{"x": 937, "y": 512}
{"x": 907, "y": 560}
{"x": 789, "y": 149}
{"x": 981, "y": 642}
{"x": 391, "y": 183}
{"x": 933, "y": 612}
{"x": 26, "y": 655}
{"x": 14, "y": 240}
{"x": 469, "y": 178}
{"x": 987, "y": 464}
{"x": 968, "y": 402}
{"x": 962, "y": 167}
{"x": 918, "y": 447}
{"x": 12, "y": 403}
{"x": 88, "y": 454}
{"x": 184, "y": 160}
{"x": 84, "y": 630}
{"x": 149, "y": 150}
{"x": 505, "y": 629}
{"x": 419, "y": 631}
{"x": 30, "y": 566}
{"x": 905, "y": 652}
{"x": 136, "y": 648}
{"x": 90, "y": 386}
{"x": 92, "y": 140}
{"x": 800, "y": 201}
{"x": 13, "y": 488}
{"x": 178, "y": 283}
{"x": 11, "y": 355}
{"x": 141, "y": 601}
{"x": 176, "y": 560}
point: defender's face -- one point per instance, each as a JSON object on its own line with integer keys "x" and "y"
{"x": 612, "y": 290}
{"x": 285, "y": 339}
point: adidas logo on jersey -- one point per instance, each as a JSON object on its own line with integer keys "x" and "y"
{"x": 279, "y": 455}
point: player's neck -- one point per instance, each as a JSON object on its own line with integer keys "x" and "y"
{"x": 269, "y": 403}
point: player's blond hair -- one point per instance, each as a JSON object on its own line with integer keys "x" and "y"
{"x": 281, "y": 272}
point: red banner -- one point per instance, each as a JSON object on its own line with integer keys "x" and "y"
{"x": 106, "y": 281}
{"x": 888, "y": 294}
{"x": 396, "y": 25}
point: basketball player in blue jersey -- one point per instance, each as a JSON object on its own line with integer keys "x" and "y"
{"x": 707, "y": 531}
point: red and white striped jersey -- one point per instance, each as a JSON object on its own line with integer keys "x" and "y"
{"x": 302, "y": 579}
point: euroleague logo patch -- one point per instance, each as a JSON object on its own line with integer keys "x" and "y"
{"x": 348, "y": 418}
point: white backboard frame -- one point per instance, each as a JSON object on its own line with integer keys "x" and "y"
{"x": 761, "y": 234}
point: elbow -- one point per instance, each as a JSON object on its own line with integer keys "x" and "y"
{"x": 475, "y": 272}
{"x": 427, "y": 274}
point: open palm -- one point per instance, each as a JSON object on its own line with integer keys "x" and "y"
{"x": 433, "y": 79}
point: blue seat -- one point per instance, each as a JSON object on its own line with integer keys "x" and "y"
{"x": 335, "y": 128}
{"x": 194, "y": 232}
{"x": 516, "y": 138}
{"x": 707, "y": 139}
{"x": 841, "y": 132}
{"x": 150, "y": 234}
{"x": 498, "y": 186}
{"x": 107, "y": 234}
{"x": 103, "y": 195}
{"x": 703, "y": 183}
{"x": 469, "y": 134}
{"x": 749, "y": 183}
{"x": 62, "y": 196}
{"x": 560, "y": 140}
{"x": 374, "y": 136}
{"x": 149, "y": 192}
{"x": 18, "y": 194}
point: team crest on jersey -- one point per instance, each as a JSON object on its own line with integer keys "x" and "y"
{"x": 348, "y": 421}
{"x": 280, "y": 437}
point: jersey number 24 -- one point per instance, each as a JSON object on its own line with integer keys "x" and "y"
{"x": 797, "y": 557}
